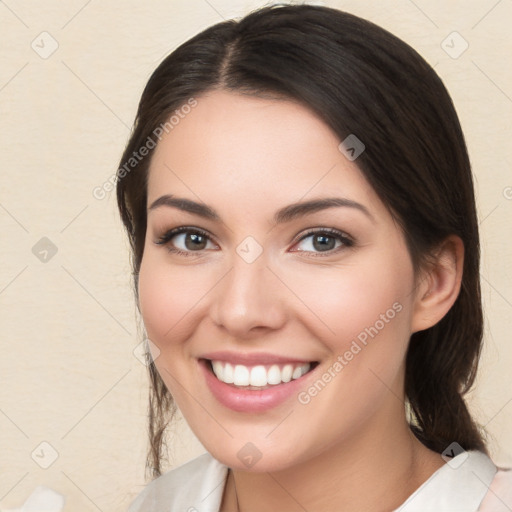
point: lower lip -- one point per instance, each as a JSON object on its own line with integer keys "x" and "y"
{"x": 245, "y": 400}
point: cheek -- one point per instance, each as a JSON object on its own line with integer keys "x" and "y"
{"x": 167, "y": 297}
{"x": 343, "y": 303}
{"x": 364, "y": 321}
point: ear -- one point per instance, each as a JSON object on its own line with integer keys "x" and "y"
{"x": 439, "y": 284}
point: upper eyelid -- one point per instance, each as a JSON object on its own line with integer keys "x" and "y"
{"x": 171, "y": 233}
{"x": 330, "y": 231}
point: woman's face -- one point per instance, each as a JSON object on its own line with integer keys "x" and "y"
{"x": 269, "y": 287}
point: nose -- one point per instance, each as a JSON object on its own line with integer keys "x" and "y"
{"x": 248, "y": 300}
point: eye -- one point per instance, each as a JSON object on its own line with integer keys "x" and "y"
{"x": 184, "y": 240}
{"x": 326, "y": 240}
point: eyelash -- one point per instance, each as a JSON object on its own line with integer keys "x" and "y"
{"x": 346, "y": 240}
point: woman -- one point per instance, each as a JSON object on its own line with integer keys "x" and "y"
{"x": 299, "y": 201}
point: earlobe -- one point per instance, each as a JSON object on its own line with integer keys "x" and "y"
{"x": 440, "y": 284}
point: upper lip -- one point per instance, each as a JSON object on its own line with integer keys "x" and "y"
{"x": 251, "y": 359}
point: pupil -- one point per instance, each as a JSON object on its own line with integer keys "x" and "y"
{"x": 197, "y": 243}
{"x": 319, "y": 242}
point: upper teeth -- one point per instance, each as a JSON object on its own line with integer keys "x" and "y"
{"x": 241, "y": 375}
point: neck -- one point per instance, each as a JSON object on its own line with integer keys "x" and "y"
{"x": 372, "y": 472}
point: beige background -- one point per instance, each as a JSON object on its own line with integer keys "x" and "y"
{"x": 69, "y": 376}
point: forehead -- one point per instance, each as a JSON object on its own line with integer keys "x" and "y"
{"x": 251, "y": 149}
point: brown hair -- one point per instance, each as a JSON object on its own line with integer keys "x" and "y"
{"x": 362, "y": 80}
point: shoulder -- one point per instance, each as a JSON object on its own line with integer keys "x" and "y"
{"x": 195, "y": 486}
{"x": 499, "y": 496}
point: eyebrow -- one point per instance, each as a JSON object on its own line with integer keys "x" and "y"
{"x": 285, "y": 214}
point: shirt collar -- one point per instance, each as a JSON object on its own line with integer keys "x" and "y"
{"x": 458, "y": 486}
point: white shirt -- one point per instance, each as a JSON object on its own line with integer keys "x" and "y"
{"x": 469, "y": 481}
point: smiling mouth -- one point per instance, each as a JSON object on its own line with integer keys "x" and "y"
{"x": 258, "y": 377}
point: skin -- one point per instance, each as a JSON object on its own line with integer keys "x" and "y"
{"x": 349, "y": 448}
